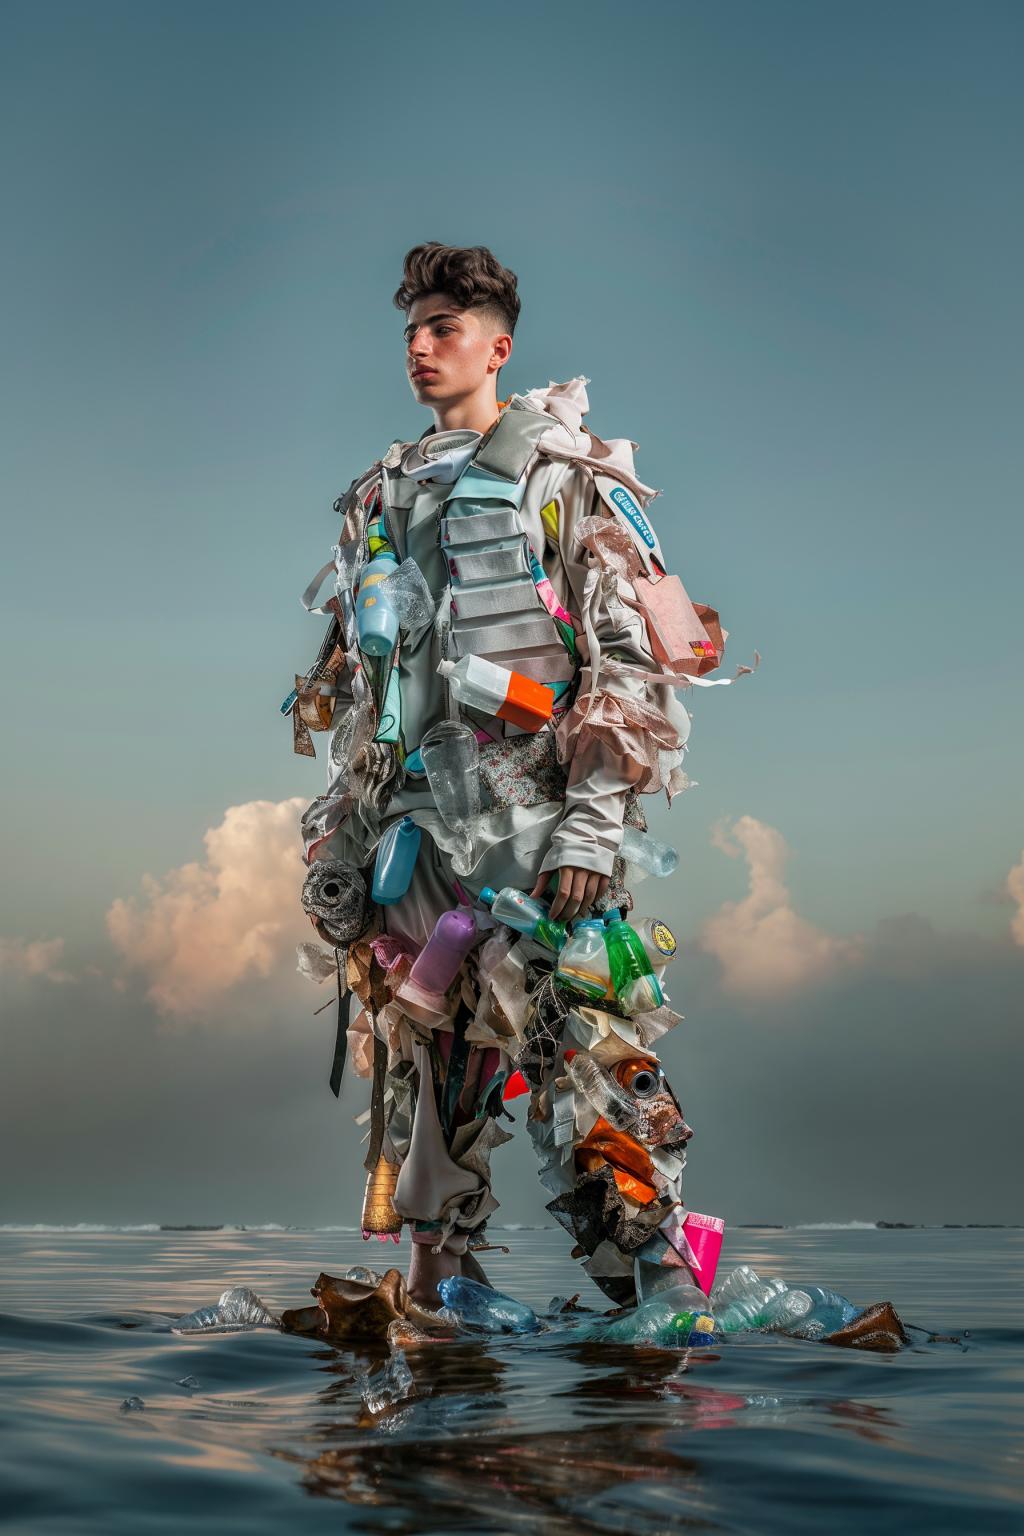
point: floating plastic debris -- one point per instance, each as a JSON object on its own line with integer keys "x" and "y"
{"x": 237, "y": 1308}
{"x": 469, "y": 1304}
{"x": 133, "y": 1405}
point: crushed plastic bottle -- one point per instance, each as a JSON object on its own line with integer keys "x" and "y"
{"x": 405, "y": 588}
{"x": 663, "y": 1321}
{"x": 645, "y": 852}
{"x": 383, "y": 1388}
{"x": 467, "y": 1303}
{"x": 603, "y": 1092}
{"x": 237, "y": 1308}
{"x": 825, "y": 1312}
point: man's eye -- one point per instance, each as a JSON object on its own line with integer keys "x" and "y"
{"x": 443, "y": 330}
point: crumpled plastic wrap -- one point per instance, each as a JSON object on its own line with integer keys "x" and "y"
{"x": 631, "y": 729}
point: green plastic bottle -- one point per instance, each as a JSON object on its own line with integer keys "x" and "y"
{"x": 636, "y": 986}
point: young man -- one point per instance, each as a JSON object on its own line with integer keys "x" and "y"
{"x": 523, "y": 538}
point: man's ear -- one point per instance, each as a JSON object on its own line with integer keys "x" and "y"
{"x": 501, "y": 351}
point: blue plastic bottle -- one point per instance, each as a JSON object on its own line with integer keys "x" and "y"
{"x": 397, "y": 852}
{"x": 376, "y": 619}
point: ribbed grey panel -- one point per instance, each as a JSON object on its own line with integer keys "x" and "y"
{"x": 503, "y": 597}
{"x": 481, "y": 528}
{"x": 496, "y": 639}
{"x": 490, "y": 563}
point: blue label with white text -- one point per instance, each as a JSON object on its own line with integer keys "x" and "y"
{"x": 628, "y": 507}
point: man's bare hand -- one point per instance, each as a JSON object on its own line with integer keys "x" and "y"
{"x": 578, "y": 889}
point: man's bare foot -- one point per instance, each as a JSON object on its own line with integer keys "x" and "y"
{"x": 426, "y": 1269}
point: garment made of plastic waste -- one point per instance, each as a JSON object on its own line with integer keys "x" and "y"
{"x": 500, "y": 680}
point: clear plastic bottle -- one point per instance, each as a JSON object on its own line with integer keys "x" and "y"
{"x": 376, "y": 619}
{"x": 583, "y": 962}
{"x": 662, "y": 1321}
{"x": 645, "y": 852}
{"x": 636, "y": 986}
{"x": 826, "y": 1312}
{"x": 437, "y": 964}
{"x": 396, "y": 859}
{"x": 603, "y": 1092}
{"x": 526, "y": 914}
{"x": 450, "y": 755}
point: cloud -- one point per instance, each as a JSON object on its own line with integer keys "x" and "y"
{"x": 29, "y": 959}
{"x": 205, "y": 927}
{"x": 1015, "y": 889}
{"x": 764, "y": 947}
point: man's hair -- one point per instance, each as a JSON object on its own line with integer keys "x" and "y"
{"x": 470, "y": 275}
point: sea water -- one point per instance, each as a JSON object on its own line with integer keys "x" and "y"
{"x": 110, "y": 1423}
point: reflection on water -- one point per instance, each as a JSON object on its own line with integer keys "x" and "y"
{"x": 268, "y": 1432}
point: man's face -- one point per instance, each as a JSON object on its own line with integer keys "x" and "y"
{"x": 450, "y": 351}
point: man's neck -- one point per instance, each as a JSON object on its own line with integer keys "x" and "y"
{"x": 475, "y": 413}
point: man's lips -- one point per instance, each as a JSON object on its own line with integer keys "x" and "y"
{"x": 425, "y": 373}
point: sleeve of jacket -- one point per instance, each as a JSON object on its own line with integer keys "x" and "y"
{"x": 621, "y": 732}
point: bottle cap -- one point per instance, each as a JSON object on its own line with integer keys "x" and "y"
{"x": 488, "y": 896}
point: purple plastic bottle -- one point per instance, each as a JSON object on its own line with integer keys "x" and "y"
{"x": 438, "y": 962}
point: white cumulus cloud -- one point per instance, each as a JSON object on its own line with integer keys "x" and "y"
{"x": 30, "y": 959}
{"x": 1015, "y": 886}
{"x": 207, "y": 926}
{"x": 764, "y": 947}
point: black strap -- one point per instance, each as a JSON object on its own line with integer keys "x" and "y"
{"x": 341, "y": 1038}
{"x": 380, "y": 1067}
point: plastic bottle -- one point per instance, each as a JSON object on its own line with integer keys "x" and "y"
{"x": 376, "y": 619}
{"x": 603, "y": 1092}
{"x": 645, "y": 852}
{"x": 660, "y": 1321}
{"x": 438, "y": 962}
{"x": 396, "y": 860}
{"x": 748, "y": 1310}
{"x": 526, "y": 914}
{"x": 583, "y": 963}
{"x": 636, "y": 986}
{"x": 450, "y": 755}
{"x": 478, "y": 1306}
{"x": 826, "y": 1312}
{"x": 658, "y": 940}
{"x": 495, "y": 691}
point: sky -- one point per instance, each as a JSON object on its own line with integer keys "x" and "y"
{"x": 783, "y": 242}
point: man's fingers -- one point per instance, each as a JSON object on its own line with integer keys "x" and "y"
{"x": 541, "y": 886}
{"x": 562, "y": 894}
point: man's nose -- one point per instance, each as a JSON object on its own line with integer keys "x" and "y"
{"x": 418, "y": 343}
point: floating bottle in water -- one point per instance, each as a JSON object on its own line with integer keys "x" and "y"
{"x": 826, "y": 1311}
{"x": 661, "y": 1321}
{"x": 396, "y": 859}
{"x": 478, "y": 1306}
